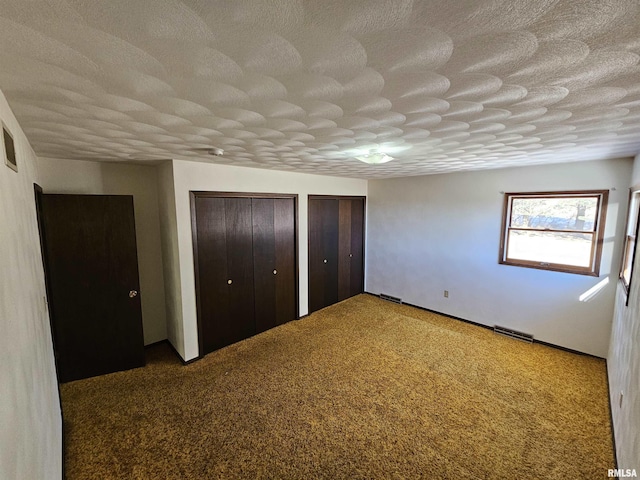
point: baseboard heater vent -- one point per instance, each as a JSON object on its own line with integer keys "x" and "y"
{"x": 525, "y": 337}
{"x": 389, "y": 298}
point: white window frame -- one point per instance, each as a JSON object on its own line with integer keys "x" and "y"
{"x": 630, "y": 239}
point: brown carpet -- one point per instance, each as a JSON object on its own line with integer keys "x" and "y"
{"x": 362, "y": 389}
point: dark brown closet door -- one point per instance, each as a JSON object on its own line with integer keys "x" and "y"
{"x": 284, "y": 219}
{"x": 350, "y": 263}
{"x": 225, "y": 271}
{"x": 356, "y": 253}
{"x": 92, "y": 277}
{"x": 344, "y": 249}
{"x": 264, "y": 263}
{"x": 323, "y": 252}
{"x": 274, "y": 261}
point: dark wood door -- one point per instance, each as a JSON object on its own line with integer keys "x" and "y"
{"x": 323, "y": 252}
{"x": 92, "y": 276}
{"x": 344, "y": 249}
{"x": 225, "y": 289}
{"x": 274, "y": 261}
{"x": 350, "y": 247}
{"x": 356, "y": 253}
{"x": 285, "y": 222}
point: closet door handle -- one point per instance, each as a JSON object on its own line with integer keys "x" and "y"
{"x": 133, "y": 293}
{"x": 324, "y": 261}
{"x": 275, "y": 272}
{"x": 351, "y": 255}
{"x": 229, "y": 282}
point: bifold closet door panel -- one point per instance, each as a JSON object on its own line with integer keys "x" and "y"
{"x": 274, "y": 261}
{"x": 344, "y": 249}
{"x": 240, "y": 266}
{"x": 284, "y": 218}
{"x": 323, "y": 253}
{"x": 356, "y": 253}
{"x": 225, "y": 270}
{"x": 264, "y": 263}
{"x": 350, "y": 254}
{"x": 213, "y": 291}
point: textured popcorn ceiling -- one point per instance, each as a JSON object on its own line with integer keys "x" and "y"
{"x": 441, "y": 85}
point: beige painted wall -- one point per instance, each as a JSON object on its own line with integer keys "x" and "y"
{"x": 189, "y": 176}
{"x": 30, "y": 420}
{"x": 80, "y": 177}
{"x": 442, "y": 232}
{"x": 624, "y": 364}
{"x": 170, "y": 258}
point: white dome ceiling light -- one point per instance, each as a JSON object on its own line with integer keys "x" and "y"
{"x": 374, "y": 157}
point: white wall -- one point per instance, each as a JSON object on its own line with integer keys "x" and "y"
{"x": 31, "y": 433}
{"x": 623, "y": 364}
{"x": 442, "y": 232}
{"x": 170, "y": 257}
{"x": 80, "y": 177}
{"x": 208, "y": 177}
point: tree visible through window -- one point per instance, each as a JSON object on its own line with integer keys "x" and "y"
{"x": 559, "y": 231}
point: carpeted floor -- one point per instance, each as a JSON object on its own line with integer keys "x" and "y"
{"x": 363, "y": 389}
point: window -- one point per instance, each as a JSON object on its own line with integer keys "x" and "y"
{"x": 630, "y": 241}
{"x": 560, "y": 231}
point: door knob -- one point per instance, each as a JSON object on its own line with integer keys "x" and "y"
{"x": 229, "y": 282}
{"x": 325, "y": 260}
{"x": 275, "y": 272}
{"x": 350, "y": 255}
{"x": 133, "y": 293}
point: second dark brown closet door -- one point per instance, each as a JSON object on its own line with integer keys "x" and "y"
{"x": 336, "y": 253}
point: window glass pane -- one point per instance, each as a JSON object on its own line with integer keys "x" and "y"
{"x": 633, "y": 214}
{"x": 628, "y": 258}
{"x": 571, "y": 213}
{"x": 550, "y": 247}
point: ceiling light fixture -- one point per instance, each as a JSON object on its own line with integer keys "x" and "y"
{"x": 374, "y": 157}
{"x": 215, "y": 151}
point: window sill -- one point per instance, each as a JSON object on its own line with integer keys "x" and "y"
{"x": 551, "y": 267}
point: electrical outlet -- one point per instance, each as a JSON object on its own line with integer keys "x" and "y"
{"x": 446, "y": 294}
{"x": 621, "y": 395}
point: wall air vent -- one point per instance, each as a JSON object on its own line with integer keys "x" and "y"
{"x": 389, "y": 298}
{"x": 525, "y": 337}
